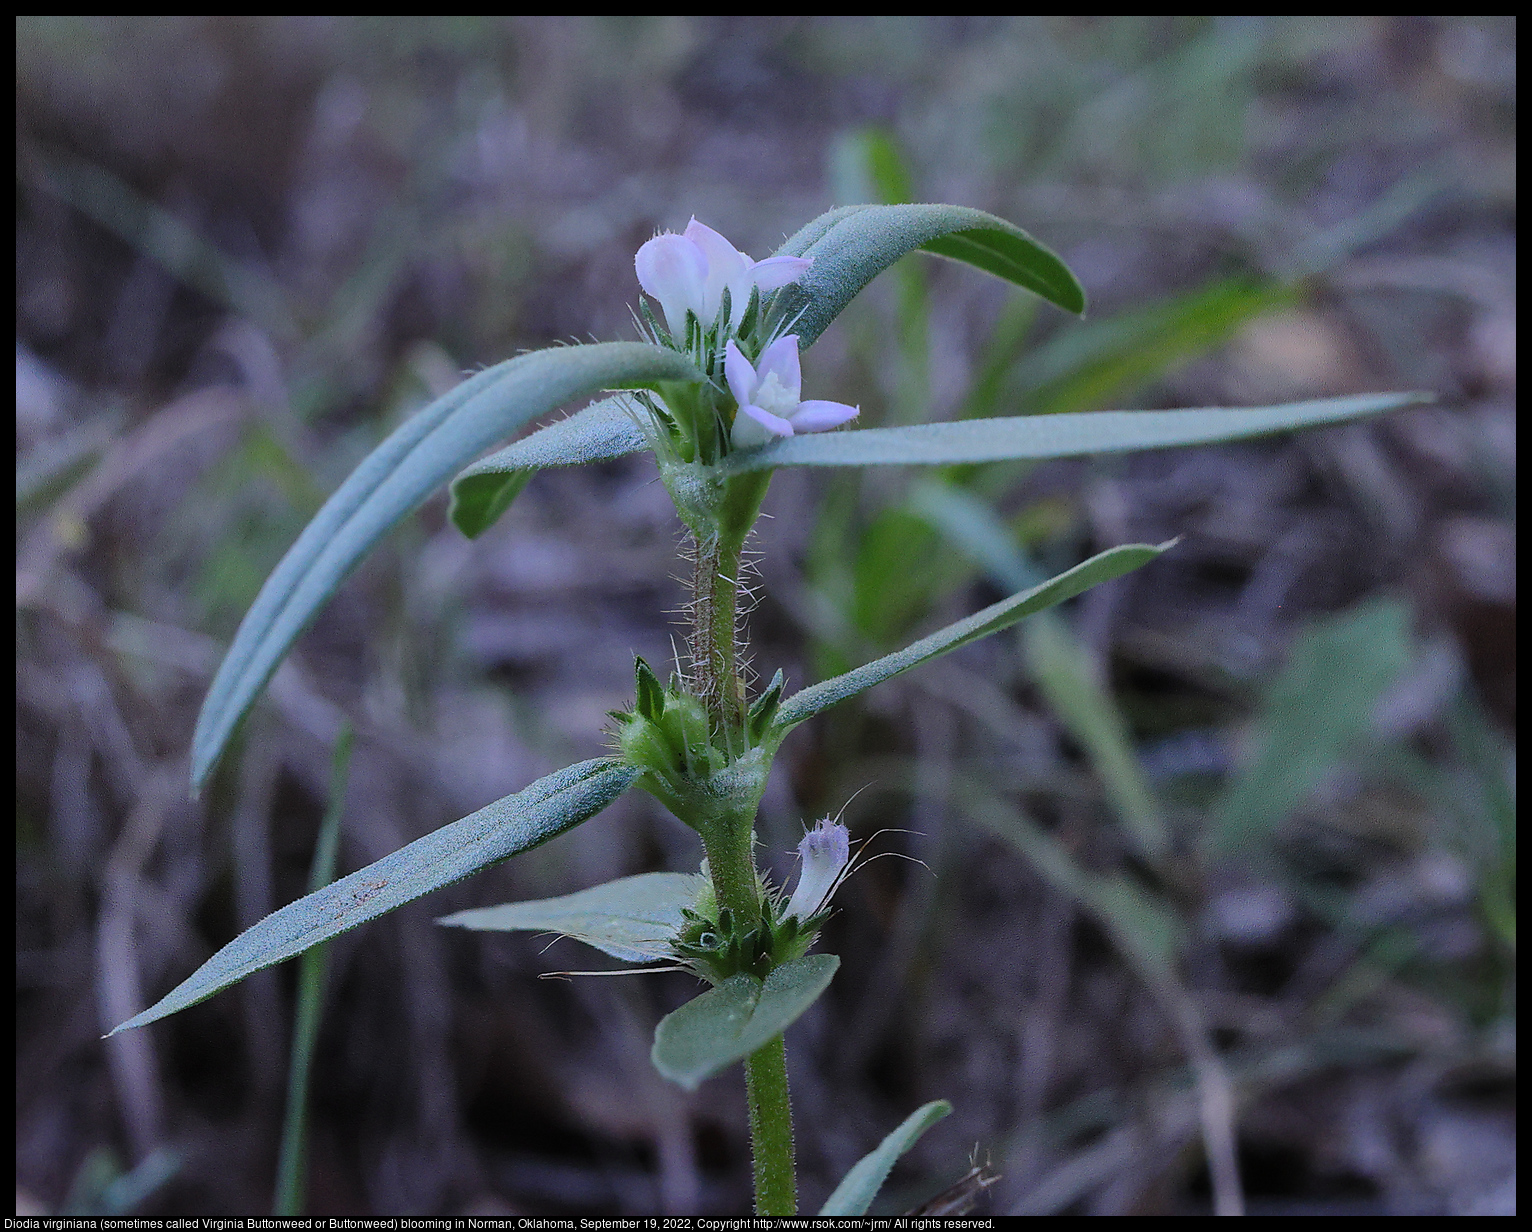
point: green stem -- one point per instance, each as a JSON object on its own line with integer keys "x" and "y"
{"x": 732, "y": 863}
{"x": 771, "y": 1130}
{"x": 715, "y": 604}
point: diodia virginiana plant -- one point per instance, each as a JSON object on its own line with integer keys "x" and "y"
{"x": 715, "y": 391}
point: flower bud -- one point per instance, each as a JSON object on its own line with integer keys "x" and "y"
{"x": 825, "y": 852}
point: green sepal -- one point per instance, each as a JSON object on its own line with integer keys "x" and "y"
{"x": 658, "y": 332}
{"x": 764, "y": 708}
{"x": 752, "y": 313}
{"x": 649, "y": 691}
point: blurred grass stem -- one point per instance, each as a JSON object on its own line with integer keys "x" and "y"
{"x": 292, "y": 1161}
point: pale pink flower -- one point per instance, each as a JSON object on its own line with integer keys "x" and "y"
{"x": 768, "y": 396}
{"x": 690, "y": 271}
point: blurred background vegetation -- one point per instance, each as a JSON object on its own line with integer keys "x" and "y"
{"x": 1228, "y": 848}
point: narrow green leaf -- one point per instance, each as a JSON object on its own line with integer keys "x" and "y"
{"x": 514, "y": 824}
{"x": 850, "y": 246}
{"x": 606, "y": 429}
{"x": 1103, "y": 567}
{"x": 632, "y": 918}
{"x": 1056, "y": 436}
{"x": 741, "y": 1015}
{"x": 393, "y": 480}
{"x": 1314, "y": 713}
{"x": 855, "y": 1193}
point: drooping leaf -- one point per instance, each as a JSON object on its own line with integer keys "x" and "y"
{"x": 392, "y": 481}
{"x": 1103, "y": 567}
{"x": 855, "y": 1193}
{"x": 514, "y": 824}
{"x": 632, "y": 918}
{"x": 606, "y": 429}
{"x": 1056, "y": 436}
{"x": 741, "y": 1015}
{"x": 850, "y": 246}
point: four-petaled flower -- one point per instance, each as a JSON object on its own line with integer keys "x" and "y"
{"x": 767, "y": 394}
{"x": 690, "y": 271}
{"x": 825, "y": 851}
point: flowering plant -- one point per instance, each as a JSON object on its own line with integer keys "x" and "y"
{"x": 715, "y": 390}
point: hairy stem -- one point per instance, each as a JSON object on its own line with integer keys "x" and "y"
{"x": 714, "y": 653}
{"x": 771, "y": 1130}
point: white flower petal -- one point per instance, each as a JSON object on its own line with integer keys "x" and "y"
{"x": 673, "y": 270}
{"x": 741, "y": 376}
{"x": 775, "y": 272}
{"x": 726, "y": 267}
{"x": 781, "y": 359}
{"x": 753, "y": 426}
{"x": 816, "y": 415}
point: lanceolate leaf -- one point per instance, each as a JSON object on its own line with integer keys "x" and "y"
{"x": 392, "y": 481}
{"x": 852, "y": 245}
{"x": 1100, "y": 568}
{"x": 1055, "y": 436}
{"x": 603, "y": 430}
{"x": 532, "y": 816}
{"x": 741, "y": 1015}
{"x": 632, "y": 918}
{"x": 855, "y": 1193}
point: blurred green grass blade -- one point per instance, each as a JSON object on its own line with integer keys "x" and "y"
{"x": 850, "y": 246}
{"x": 728, "y": 1023}
{"x": 1061, "y": 666}
{"x": 1057, "y": 436}
{"x": 1087, "y": 367}
{"x": 1004, "y": 348}
{"x": 1144, "y": 929}
{"x": 604, "y": 430}
{"x": 158, "y": 234}
{"x": 1313, "y": 714}
{"x": 900, "y": 566}
{"x": 632, "y": 918}
{"x": 971, "y": 526}
{"x": 868, "y": 167}
{"x": 860, "y": 1186}
{"x": 1482, "y": 750}
{"x": 391, "y": 482}
{"x": 537, "y": 813}
{"x": 1102, "y": 567}
{"x": 292, "y": 1156}
{"x": 871, "y": 168}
